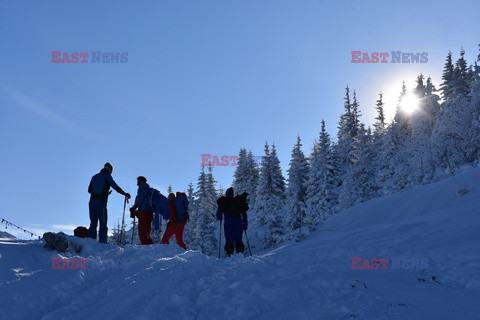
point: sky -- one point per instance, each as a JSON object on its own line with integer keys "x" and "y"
{"x": 202, "y": 77}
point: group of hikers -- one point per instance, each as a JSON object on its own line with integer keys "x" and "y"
{"x": 150, "y": 204}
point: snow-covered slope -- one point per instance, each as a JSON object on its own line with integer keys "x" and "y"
{"x": 6, "y": 235}
{"x": 434, "y": 230}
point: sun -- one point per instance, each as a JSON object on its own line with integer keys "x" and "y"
{"x": 409, "y": 103}
{"x": 392, "y": 93}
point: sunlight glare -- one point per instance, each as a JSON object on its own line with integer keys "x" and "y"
{"x": 409, "y": 103}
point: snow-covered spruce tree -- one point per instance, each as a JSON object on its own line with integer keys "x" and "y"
{"x": 386, "y": 154}
{"x": 134, "y": 229}
{"x": 245, "y": 177}
{"x": 355, "y": 115}
{"x": 190, "y": 227}
{"x": 380, "y": 124}
{"x": 239, "y": 176}
{"x": 398, "y": 151}
{"x": 422, "y": 122}
{"x": 475, "y": 109}
{"x": 253, "y": 174}
{"x": 190, "y": 195}
{"x": 454, "y": 133}
{"x": 220, "y": 192}
{"x": 382, "y": 146}
{"x": 323, "y": 181}
{"x": 205, "y": 208}
{"x": 115, "y": 238}
{"x": 347, "y": 131}
{"x": 297, "y": 189}
{"x": 447, "y": 86}
{"x": 359, "y": 184}
{"x": 476, "y": 69}
{"x": 460, "y": 80}
{"x": 212, "y": 191}
{"x": 270, "y": 200}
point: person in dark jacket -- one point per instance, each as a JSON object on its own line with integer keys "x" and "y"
{"x": 236, "y": 221}
{"x": 143, "y": 209}
{"x": 99, "y": 189}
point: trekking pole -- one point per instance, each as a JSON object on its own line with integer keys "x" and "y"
{"x": 248, "y": 243}
{"x": 220, "y": 239}
{"x": 133, "y": 230}
{"x": 123, "y": 220}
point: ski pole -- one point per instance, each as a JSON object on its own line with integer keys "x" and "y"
{"x": 123, "y": 220}
{"x": 133, "y": 230}
{"x": 220, "y": 239}
{"x": 248, "y": 243}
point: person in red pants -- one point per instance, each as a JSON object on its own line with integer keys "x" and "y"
{"x": 143, "y": 210}
{"x": 176, "y": 225}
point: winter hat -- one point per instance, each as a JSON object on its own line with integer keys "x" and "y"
{"x": 229, "y": 192}
{"x": 109, "y": 167}
{"x": 142, "y": 178}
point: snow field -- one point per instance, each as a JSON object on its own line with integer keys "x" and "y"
{"x": 311, "y": 279}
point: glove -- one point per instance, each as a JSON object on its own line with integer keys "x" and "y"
{"x": 127, "y": 195}
{"x": 245, "y": 228}
{"x": 133, "y": 212}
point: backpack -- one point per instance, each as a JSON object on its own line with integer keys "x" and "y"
{"x": 158, "y": 202}
{"x": 181, "y": 206}
{"x": 80, "y": 232}
{"x": 240, "y": 202}
{"x": 233, "y": 207}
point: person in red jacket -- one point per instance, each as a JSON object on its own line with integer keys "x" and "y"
{"x": 174, "y": 226}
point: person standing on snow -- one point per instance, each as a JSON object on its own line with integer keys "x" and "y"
{"x": 143, "y": 209}
{"x": 177, "y": 220}
{"x": 99, "y": 189}
{"x": 236, "y": 221}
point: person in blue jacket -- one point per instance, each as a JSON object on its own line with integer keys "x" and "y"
{"x": 235, "y": 222}
{"x": 143, "y": 209}
{"x": 99, "y": 189}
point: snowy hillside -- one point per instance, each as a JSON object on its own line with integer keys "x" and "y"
{"x": 6, "y": 235}
{"x": 429, "y": 234}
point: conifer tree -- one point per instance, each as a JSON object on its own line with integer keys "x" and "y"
{"x": 380, "y": 119}
{"x": 205, "y": 207}
{"x": 358, "y": 185}
{"x": 460, "y": 80}
{"x": 398, "y": 149}
{"x": 323, "y": 181}
{"x": 447, "y": 85}
{"x": 297, "y": 188}
{"x": 270, "y": 201}
{"x": 420, "y": 90}
{"x": 246, "y": 175}
{"x": 190, "y": 227}
{"x": 346, "y": 133}
{"x": 422, "y": 123}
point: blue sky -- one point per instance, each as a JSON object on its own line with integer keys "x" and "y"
{"x": 201, "y": 77}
